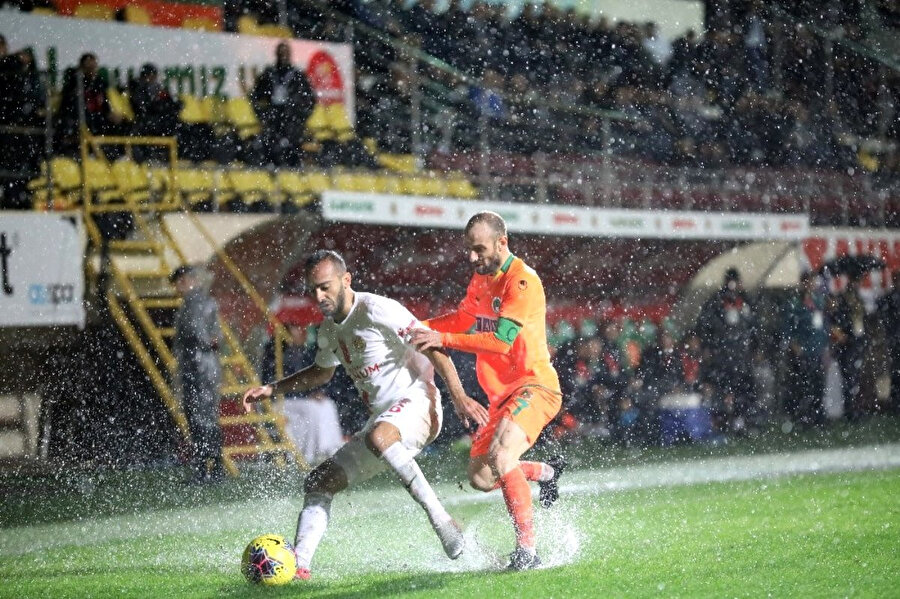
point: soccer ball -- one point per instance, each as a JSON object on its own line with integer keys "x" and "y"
{"x": 269, "y": 560}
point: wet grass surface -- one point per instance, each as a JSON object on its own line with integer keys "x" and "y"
{"x": 77, "y": 491}
{"x": 825, "y": 535}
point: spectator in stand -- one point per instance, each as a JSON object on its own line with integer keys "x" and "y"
{"x": 805, "y": 338}
{"x": 283, "y": 99}
{"x": 155, "y": 110}
{"x": 99, "y": 118}
{"x": 727, "y": 329}
{"x": 22, "y": 104}
{"x": 656, "y": 45}
{"x": 850, "y": 336}
{"x": 312, "y": 418}
{"x": 888, "y": 311}
{"x": 756, "y": 40}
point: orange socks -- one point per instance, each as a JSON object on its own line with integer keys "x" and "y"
{"x": 517, "y": 495}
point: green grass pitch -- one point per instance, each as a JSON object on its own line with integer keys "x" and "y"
{"x": 800, "y": 535}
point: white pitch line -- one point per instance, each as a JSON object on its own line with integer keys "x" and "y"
{"x": 719, "y": 469}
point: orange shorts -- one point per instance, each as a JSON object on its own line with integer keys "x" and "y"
{"x": 530, "y": 407}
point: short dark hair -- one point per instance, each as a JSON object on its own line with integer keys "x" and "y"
{"x": 184, "y": 269}
{"x": 491, "y": 219}
{"x": 319, "y": 256}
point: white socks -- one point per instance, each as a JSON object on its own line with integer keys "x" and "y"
{"x": 399, "y": 458}
{"x": 311, "y": 526}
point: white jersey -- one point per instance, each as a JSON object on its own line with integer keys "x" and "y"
{"x": 372, "y": 345}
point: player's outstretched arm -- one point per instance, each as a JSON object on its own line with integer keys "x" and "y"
{"x": 303, "y": 380}
{"x": 467, "y": 409}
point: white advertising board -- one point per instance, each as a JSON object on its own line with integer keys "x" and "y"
{"x": 195, "y": 62}
{"x": 550, "y": 219}
{"x": 41, "y": 269}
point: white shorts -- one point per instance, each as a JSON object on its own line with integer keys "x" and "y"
{"x": 418, "y": 418}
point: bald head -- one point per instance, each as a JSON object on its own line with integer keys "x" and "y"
{"x": 491, "y": 219}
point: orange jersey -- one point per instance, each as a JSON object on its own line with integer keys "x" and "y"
{"x": 515, "y": 292}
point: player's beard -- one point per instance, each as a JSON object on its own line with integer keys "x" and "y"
{"x": 328, "y": 309}
{"x": 489, "y": 265}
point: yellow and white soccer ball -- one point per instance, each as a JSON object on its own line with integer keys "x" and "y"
{"x": 269, "y": 560}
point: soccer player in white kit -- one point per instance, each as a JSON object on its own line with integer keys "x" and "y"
{"x": 368, "y": 335}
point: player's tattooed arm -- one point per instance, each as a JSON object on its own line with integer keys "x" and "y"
{"x": 467, "y": 409}
{"x": 303, "y": 380}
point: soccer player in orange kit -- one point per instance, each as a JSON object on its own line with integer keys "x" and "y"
{"x": 505, "y": 305}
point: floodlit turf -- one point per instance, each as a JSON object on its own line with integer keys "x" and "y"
{"x": 809, "y": 535}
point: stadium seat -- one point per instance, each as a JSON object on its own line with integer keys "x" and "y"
{"x": 415, "y": 185}
{"x": 247, "y": 24}
{"x": 338, "y": 122}
{"x": 99, "y": 182}
{"x": 274, "y": 30}
{"x": 137, "y": 15}
{"x": 132, "y": 181}
{"x": 120, "y": 104}
{"x": 99, "y": 12}
{"x": 193, "y": 111}
{"x": 293, "y": 188}
{"x": 252, "y": 186}
{"x": 239, "y": 113}
{"x": 317, "y": 124}
{"x": 459, "y": 187}
{"x": 317, "y": 182}
{"x": 391, "y": 184}
{"x": 200, "y": 24}
{"x": 66, "y": 184}
{"x": 196, "y": 187}
{"x": 403, "y": 163}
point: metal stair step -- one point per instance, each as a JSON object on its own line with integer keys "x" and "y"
{"x": 161, "y": 302}
{"x": 257, "y": 449}
{"x": 254, "y": 418}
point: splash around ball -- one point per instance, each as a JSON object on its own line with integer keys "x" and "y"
{"x": 269, "y": 560}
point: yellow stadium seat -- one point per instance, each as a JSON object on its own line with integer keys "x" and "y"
{"x": 99, "y": 12}
{"x": 415, "y": 185}
{"x": 253, "y": 186}
{"x": 437, "y": 185}
{"x": 132, "y": 180}
{"x": 195, "y": 186}
{"x": 293, "y": 188}
{"x": 193, "y": 111}
{"x": 213, "y": 108}
{"x": 240, "y": 114}
{"x": 200, "y": 24}
{"x": 65, "y": 188}
{"x": 120, "y": 104}
{"x": 137, "y": 15}
{"x": 392, "y": 184}
{"x": 317, "y": 182}
{"x": 274, "y": 30}
{"x": 247, "y": 24}
{"x": 459, "y": 187}
{"x": 43, "y": 10}
{"x": 402, "y": 163}
{"x": 317, "y": 124}
{"x": 338, "y": 122}
{"x": 99, "y": 182}
{"x": 66, "y": 174}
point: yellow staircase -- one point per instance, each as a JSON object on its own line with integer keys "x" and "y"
{"x": 143, "y": 303}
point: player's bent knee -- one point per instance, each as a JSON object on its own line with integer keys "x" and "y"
{"x": 327, "y": 478}
{"x": 483, "y": 483}
{"x": 381, "y": 437}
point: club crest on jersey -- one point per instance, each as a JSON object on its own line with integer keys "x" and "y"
{"x": 359, "y": 344}
{"x": 495, "y": 305}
